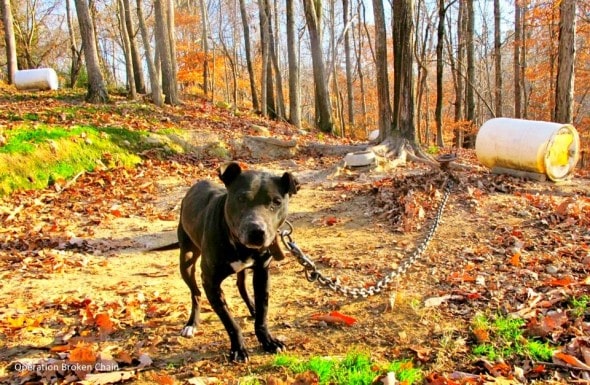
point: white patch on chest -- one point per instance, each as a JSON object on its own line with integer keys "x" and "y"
{"x": 238, "y": 266}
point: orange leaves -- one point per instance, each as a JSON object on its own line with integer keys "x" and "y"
{"x": 547, "y": 325}
{"x": 104, "y": 323}
{"x": 334, "y": 317}
{"x": 571, "y": 360}
{"x": 162, "y": 379}
{"x": 83, "y": 354}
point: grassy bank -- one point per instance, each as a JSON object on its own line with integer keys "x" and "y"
{"x": 36, "y": 155}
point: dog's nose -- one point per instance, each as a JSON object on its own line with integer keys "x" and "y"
{"x": 256, "y": 236}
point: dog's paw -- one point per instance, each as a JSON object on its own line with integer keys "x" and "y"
{"x": 272, "y": 345}
{"x": 239, "y": 355}
{"x": 188, "y": 331}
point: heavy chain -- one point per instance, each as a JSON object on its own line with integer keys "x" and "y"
{"x": 313, "y": 274}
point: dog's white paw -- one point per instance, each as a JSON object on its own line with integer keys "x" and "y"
{"x": 188, "y": 331}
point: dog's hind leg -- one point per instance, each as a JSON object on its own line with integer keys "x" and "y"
{"x": 241, "y": 282}
{"x": 189, "y": 254}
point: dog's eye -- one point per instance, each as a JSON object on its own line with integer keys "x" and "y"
{"x": 277, "y": 201}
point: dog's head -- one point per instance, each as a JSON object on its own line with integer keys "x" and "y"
{"x": 256, "y": 204}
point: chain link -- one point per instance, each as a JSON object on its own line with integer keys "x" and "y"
{"x": 313, "y": 274}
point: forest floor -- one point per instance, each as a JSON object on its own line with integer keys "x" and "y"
{"x": 77, "y": 284}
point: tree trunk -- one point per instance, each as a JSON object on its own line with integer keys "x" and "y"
{"x": 498, "y": 58}
{"x": 205, "y": 46}
{"x": 469, "y": 43}
{"x": 163, "y": 44}
{"x": 247, "y": 51}
{"x": 279, "y": 100}
{"x": 517, "y": 64}
{"x": 404, "y": 96}
{"x": 348, "y": 61}
{"x": 127, "y": 52}
{"x": 358, "y": 54}
{"x": 76, "y": 52}
{"x": 564, "y": 90}
{"x": 97, "y": 92}
{"x": 172, "y": 39}
{"x": 12, "y": 65}
{"x": 265, "y": 77}
{"x": 155, "y": 82}
{"x": 384, "y": 112}
{"x": 322, "y": 98}
{"x": 294, "y": 86}
{"x": 135, "y": 58}
{"x": 439, "y": 72}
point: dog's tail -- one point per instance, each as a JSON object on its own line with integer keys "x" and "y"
{"x": 171, "y": 246}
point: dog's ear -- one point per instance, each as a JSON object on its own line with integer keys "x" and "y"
{"x": 229, "y": 172}
{"x": 289, "y": 183}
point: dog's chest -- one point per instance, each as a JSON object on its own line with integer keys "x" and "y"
{"x": 251, "y": 260}
{"x": 238, "y": 266}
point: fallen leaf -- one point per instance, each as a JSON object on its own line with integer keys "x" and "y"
{"x": 144, "y": 361}
{"x": 202, "y": 381}
{"x": 334, "y": 317}
{"x": 561, "y": 282}
{"x": 83, "y": 354}
{"x": 570, "y": 360}
{"x": 515, "y": 259}
{"x": 162, "y": 379}
{"x": 107, "y": 378}
{"x": 104, "y": 323}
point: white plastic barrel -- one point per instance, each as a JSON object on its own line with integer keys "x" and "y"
{"x": 528, "y": 145}
{"x": 36, "y": 79}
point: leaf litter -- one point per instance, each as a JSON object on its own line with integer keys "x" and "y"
{"x": 96, "y": 308}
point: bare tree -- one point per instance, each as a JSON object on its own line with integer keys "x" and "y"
{"x": 564, "y": 89}
{"x": 384, "y": 112}
{"x": 154, "y": 74}
{"x": 10, "y": 40}
{"x": 292, "y": 57}
{"x": 470, "y": 50}
{"x": 170, "y": 23}
{"x": 134, "y": 52}
{"x": 97, "y": 92}
{"x": 498, "y": 58}
{"x": 517, "y": 60}
{"x": 163, "y": 47}
{"x": 247, "y": 51}
{"x": 265, "y": 75}
{"x": 442, "y": 11}
{"x": 127, "y": 52}
{"x": 403, "y": 63}
{"x": 323, "y": 117}
{"x": 279, "y": 102}
{"x": 348, "y": 60}
{"x": 205, "y": 44}
{"x": 75, "y": 51}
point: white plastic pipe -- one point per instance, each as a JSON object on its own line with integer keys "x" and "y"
{"x": 36, "y": 79}
{"x": 528, "y": 145}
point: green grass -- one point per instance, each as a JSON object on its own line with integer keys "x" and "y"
{"x": 506, "y": 339}
{"x": 356, "y": 368}
{"x": 580, "y": 305}
{"x": 35, "y": 156}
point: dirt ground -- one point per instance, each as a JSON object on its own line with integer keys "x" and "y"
{"x": 72, "y": 256}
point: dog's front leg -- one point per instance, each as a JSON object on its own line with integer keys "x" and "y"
{"x": 216, "y": 298}
{"x": 261, "y": 286}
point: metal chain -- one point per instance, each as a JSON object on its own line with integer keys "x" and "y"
{"x": 313, "y": 274}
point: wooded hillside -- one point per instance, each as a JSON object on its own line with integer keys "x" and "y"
{"x": 315, "y": 63}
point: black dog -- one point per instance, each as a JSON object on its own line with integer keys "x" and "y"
{"x": 233, "y": 228}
